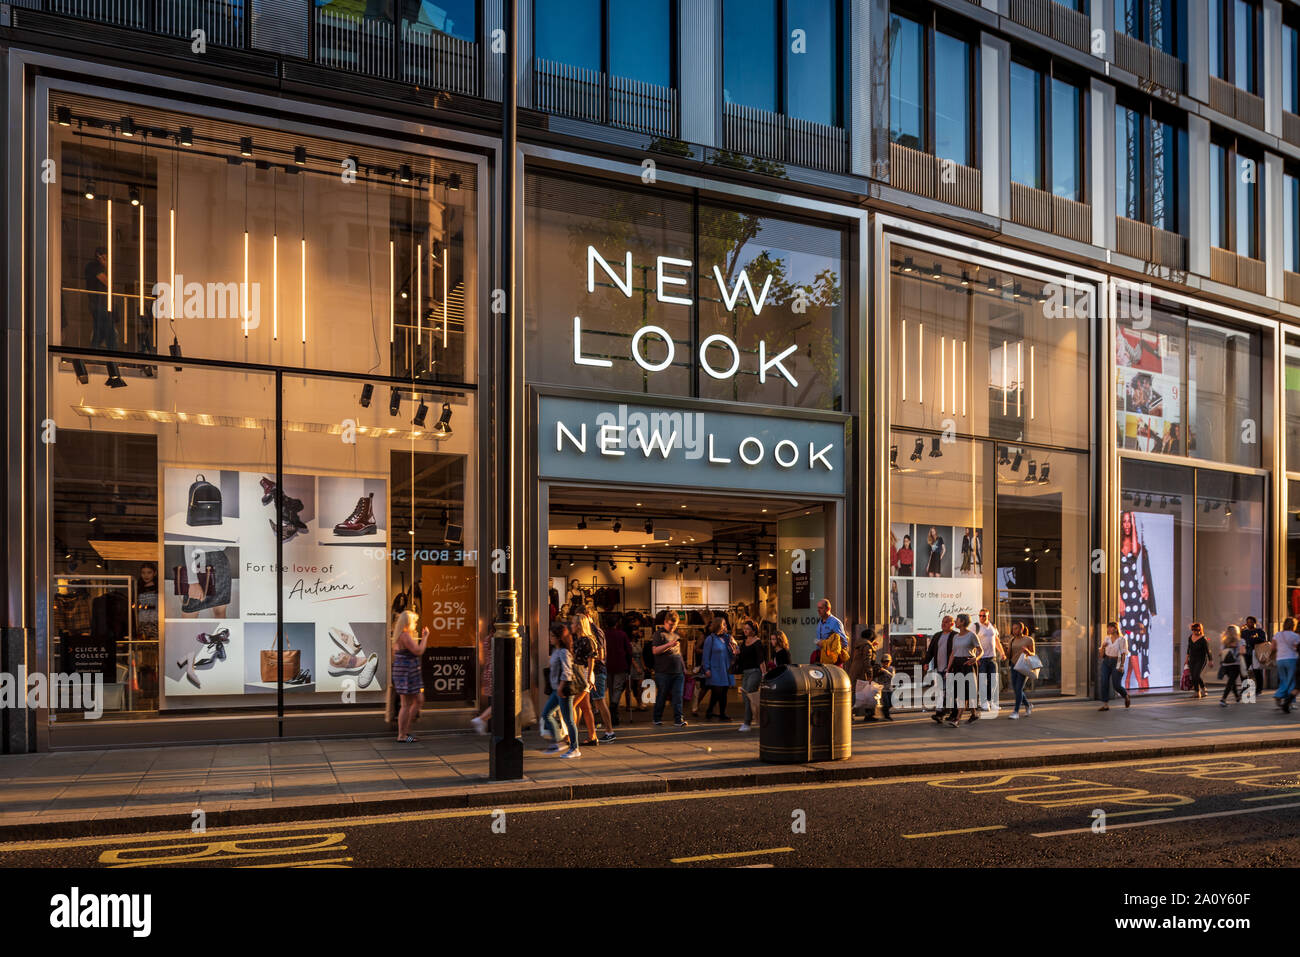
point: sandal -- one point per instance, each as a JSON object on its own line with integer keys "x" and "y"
{"x": 409, "y": 739}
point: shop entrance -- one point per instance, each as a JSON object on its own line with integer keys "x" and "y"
{"x": 631, "y": 556}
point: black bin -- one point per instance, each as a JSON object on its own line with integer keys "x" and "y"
{"x": 805, "y": 714}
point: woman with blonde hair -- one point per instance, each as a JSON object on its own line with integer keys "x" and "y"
{"x": 584, "y": 651}
{"x": 1232, "y": 666}
{"x": 408, "y": 678}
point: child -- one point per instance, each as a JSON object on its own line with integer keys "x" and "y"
{"x": 885, "y": 676}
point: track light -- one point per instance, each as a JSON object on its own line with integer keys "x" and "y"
{"x": 965, "y": 278}
{"x": 1043, "y": 473}
{"x": 245, "y": 146}
{"x": 1015, "y": 463}
{"x": 612, "y": 566}
{"x": 174, "y": 350}
{"x": 404, "y": 173}
{"x": 1207, "y": 507}
{"x": 1031, "y": 474}
{"x": 443, "y": 426}
{"x": 187, "y": 136}
{"x": 394, "y": 402}
{"x": 367, "y": 391}
{"x": 421, "y": 412}
{"x": 64, "y": 115}
{"x": 114, "y": 380}
{"x": 893, "y": 456}
{"x": 127, "y": 126}
{"x": 79, "y": 368}
{"x": 649, "y": 526}
{"x": 134, "y": 194}
{"x": 907, "y": 264}
{"x": 935, "y": 453}
{"x": 1003, "y": 457}
{"x": 1147, "y": 503}
{"x": 300, "y": 156}
{"x": 617, "y": 526}
{"x": 582, "y": 524}
{"x": 663, "y": 568}
{"x": 937, "y": 272}
{"x": 918, "y": 450}
{"x": 90, "y": 189}
{"x": 453, "y": 181}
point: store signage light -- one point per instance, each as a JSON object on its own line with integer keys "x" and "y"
{"x": 666, "y": 276}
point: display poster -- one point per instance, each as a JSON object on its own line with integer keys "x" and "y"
{"x": 692, "y": 595}
{"x": 1146, "y": 598}
{"x": 449, "y": 605}
{"x": 800, "y": 590}
{"x": 220, "y": 533}
{"x": 934, "y": 570}
{"x": 1148, "y": 392}
{"x": 89, "y": 655}
{"x": 448, "y": 674}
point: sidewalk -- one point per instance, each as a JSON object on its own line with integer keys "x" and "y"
{"x": 148, "y": 789}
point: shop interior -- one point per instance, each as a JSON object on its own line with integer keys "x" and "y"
{"x": 641, "y": 553}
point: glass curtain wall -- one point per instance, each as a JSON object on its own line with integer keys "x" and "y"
{"x": 262, "y": 410}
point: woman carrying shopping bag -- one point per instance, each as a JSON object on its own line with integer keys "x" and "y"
{"x": 1022, "y": 646}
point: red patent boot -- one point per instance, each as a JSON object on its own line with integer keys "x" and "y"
{"x": 362, "y": 519}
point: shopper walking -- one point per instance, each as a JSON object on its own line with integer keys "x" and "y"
{"x": 778, "y": 649}
{"x": 828, "y": 626}
{"x": 1111, "y": 655}
{"x": 408, "y": 677}
{"x": 1252, "y": 636}
{"x": 480, "y": 723}
{"x": 750, "y": 657}
{"x": 618, "y": 665}
{"x": 716, "y": 658}
{"x": 862, "y": 667}
{"x": 963, "y": 663}
{"x": 1232, "y": 665}
{"x": 583, "y": 651}
{"x": 670, "y": 670}
{"x": 991, "y": 653}
{"x": 561, "y": 700}
{"x": 599, "y": 675}
{"x": 936, "y": 660}
{"x": 1022, "y": 643}
{"x": 1286, "y": 649}
{"x": 1198, "y": 657}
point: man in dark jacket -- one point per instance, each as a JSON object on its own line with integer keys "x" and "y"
{"x": 618, "y": 662}
{"x": 936, "y": 658}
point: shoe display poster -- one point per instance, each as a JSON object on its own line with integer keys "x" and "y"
{"x": 220, "y": 533}
{"x": 935, "y": 570}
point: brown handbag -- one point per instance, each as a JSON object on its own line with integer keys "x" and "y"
{"x": 181, "y": 579}
{"x": 270, "y": 662}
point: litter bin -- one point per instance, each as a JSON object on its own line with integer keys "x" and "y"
{"x": 805, "y": 714}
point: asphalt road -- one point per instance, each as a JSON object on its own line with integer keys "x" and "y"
{"x": 1235, "y": 810}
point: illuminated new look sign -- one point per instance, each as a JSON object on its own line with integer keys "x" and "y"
{"x": 585, "y": 440}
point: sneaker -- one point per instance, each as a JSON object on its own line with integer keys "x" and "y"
{"x": 954, "y": 723}
{"x": 975, "y": 716}
{"x": 937, "y": 718}
{"x": 546, "y": 734}
{"x": 1128, "y": 702}
{"x": 658, "y": 724}
{"x": 744, "y": 727}
{"x": 479, "y": 725}
{"x": 1222, "y": 703}
{"x": 1029, "y": 709}
{"x": 572, "y": 753}
{"x": 368, "y": 672}
{"x": 681, "y": 723}
{"x": 609, "y": 736}
{"x": 554, "y": 747}
{"x": 345, "y": 664}
{"x": 1014, "y": 716}
{"x": 346, "y": 640}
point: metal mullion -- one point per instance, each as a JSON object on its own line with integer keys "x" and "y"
{"x": 1045, "y": 127}
{"x": 931, "y": 144}
{"x": 279, "y": 553}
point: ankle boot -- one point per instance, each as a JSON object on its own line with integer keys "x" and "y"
{"x": 270, "y": 492}
{"x": 287, "y": 528}
{"x": 362, "y": 519}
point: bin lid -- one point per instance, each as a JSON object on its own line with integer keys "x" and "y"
{"x": 791, "y": 680}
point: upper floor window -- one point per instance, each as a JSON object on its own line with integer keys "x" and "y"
{"x": 1158, "y": 23}
{"x": 784, "y": 56}
{"x": 632, "y": 39}
{"x": 1235, "y": 213}
{"x": 1150, "y": 169}
{"x": 1047, "y": 136}
{"x": 931, "y": 90}
{"x": 1291, "y": 67}
{"x": 1291, "y": 210}
{"x": 1234, "y": 43}
{"x": 456, "y": 18}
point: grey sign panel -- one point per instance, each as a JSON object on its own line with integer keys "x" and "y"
{"x": 586, "y": 440}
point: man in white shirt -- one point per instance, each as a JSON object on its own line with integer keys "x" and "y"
{"x": 1286, "y": 651}
{"x": 991, "y": 652}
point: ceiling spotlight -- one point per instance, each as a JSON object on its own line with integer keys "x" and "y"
{"x": 367, "y": 391}
{"x": 934, "y": 448}
{"x": 1164, "y": 501}
{"x": 64, "y": 115}
{"x": 127, "y": 126}
{"x": 663, "y": 568}
{"x": 617, "y": 526}
{"x": 187, "y": 136}
{"x": 421, "y": 412}
{"x": 612, "y": 566}
{"x": 907, "y": 264}
{"x": 404, "y": 173}
{"x": 582, "y": 523}
{"x": 649, "y": 526}
{"x": 1032, "y": 473}
{"x": 174, "y": 350}
{"x": 134, "y": 194}
{"x": 1003, "y": 457}
{"x": 1042, "y": 475}
{"x": 245, "y": 146}
{"x": 1015, "y": 463}
{"x": 300, "y": 156}
{"x": 570, "y": 562}
{"x": 918, "y": 450}
{"x": 394, "y": 402}
{"x": 79, "y": 368}
{"x": 893, "y": 456}
{"x": 937, "y": 272}
{"x": 1207, "y": 507}
{"x": 1147, "y": 503}
{"x": 442, "y": 427}
{"x": 90, "y": 189}
{"x": 965, "y": 278}
{"x": 453, "y": 181}
{"x": 991, "y": 284}
{"x": 114, "y": 380}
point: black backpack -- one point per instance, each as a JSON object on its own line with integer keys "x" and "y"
{"x": 205, "y": 503}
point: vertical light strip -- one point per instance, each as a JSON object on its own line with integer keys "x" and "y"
{"x": 963, "y": 377}
{"x": 943, "y": 371}
{"x": 954, "y": 375}
{"x": 1020, "y": 377}
{"x": 142, "y": 259}
{"x": 243, "y": 292}
{"x": 108, "y": 249}
{"x": 904, "y": 358}
{"x": 920, "y": 363}
{"x": 392, "y": 292}
{"x": 1005, "y": 383}
{"x": 444, "y": 299}
{"x": 419, "y": 293}
{"x": 1031, "y": 382}
{"x": 171, "y": 266}
{"x": 275, "y": 287}
{"x": 302, "y": 245}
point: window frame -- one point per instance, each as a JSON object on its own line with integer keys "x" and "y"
{"x": 1228, "y": 43}
{"x": 1045, "y": 70}
{"x": 1149, "y": 113}
{"x": 1176, "y": 30}
{"x": 928, "y": 19}
{"x": 1232, "y": 146}
{"x": 782, "y": 36}
{"x": 674, "y": 52}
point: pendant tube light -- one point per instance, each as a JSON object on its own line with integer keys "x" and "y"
{"x": 302, "y": 250}
{"x": 943, "y": 371}
{"x": 141, "y": 244}
{"x": 303, "y": 292}
{"x": 444, "y": 298}
{"x": 171, "y": 264}
{"x": 920, "y": 363}
{"x": 419, "y": 293}
{"x": 903, "y": 353}
{"x": 1005, "y": 384}
{"x": 1020, "y": 377}
{"x": 243, "y": 292}
{"x": 392, "y": 292}
{"x": 275, "y": 287}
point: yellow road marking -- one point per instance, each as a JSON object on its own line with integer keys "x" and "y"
{"x": 964, "y": 830}
{"x": 1148, "y": 810}
{"x": 324, "y": 862}
{"x": 730, "y": 854}
{"x": 1172, "y": 820}
{"x": 1273, "y": 797}
{"x": 400, "y": 817}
